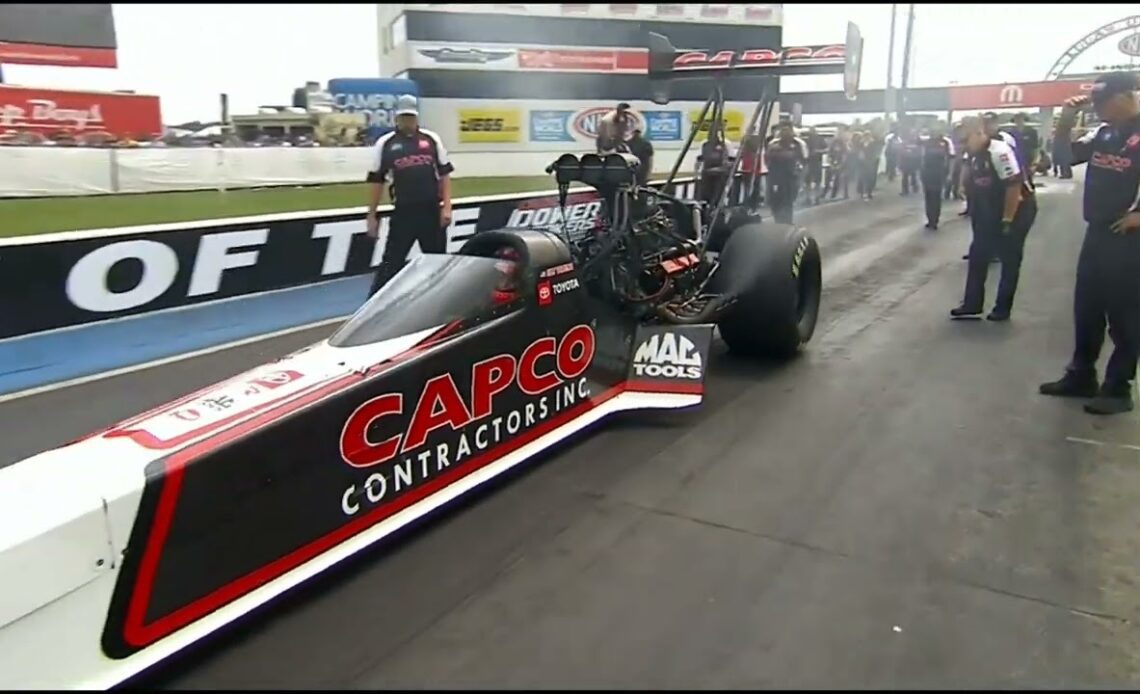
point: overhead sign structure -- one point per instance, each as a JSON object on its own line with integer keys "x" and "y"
{"x": 1091, "y": 39}
{"x": 1130, "y": 45}
{"x": 707, "y": 13}
{"x": 66, "y": 34}
{"x": 1016, "y": 95}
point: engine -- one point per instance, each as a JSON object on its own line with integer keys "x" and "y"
{"x": 639, "y": 259}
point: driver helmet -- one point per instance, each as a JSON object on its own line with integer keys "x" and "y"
{"x": 507, "y": 288}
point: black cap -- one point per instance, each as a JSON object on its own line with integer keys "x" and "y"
{"x": 623, "y": 106}
{"x": 1112, "y": 84}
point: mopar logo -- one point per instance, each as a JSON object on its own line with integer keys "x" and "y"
{"x": 667, "y": 355}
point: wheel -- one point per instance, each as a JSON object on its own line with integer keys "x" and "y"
{"x": 775, "y": 273}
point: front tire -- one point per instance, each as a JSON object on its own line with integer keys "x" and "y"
{"x": 775, "y": 273}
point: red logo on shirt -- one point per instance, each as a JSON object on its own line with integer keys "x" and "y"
{"x": 545, "y": 294}
{"x": 1133, "y": 141}
{"x": 424, "y": 144}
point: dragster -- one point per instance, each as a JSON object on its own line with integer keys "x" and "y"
{"x": 125, "y": 547}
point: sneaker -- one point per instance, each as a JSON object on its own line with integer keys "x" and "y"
{"x": 998, "y": 315}
{"x": 964, "y": 311}
{"x": 1072, "y": 385}
{"x": 1111, "y": 401}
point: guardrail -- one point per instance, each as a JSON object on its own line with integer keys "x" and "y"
{"x": 63, "y": 280}
{"x": 28, "y": 172}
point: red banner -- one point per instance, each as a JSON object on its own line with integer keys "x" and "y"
{"x": 48, "y": 111}
{"x": 68, "y": 56}
{"x": 598, "y": 60}
{"x": 1014, "y": 95}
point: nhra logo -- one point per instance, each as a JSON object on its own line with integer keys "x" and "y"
{"x": 586, "y": 122}
{"x": 667, "y": 355}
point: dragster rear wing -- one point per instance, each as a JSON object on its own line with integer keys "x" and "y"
{"x": 667, "y": 63}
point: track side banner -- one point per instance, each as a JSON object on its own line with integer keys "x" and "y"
{"x": 81, "y": 278}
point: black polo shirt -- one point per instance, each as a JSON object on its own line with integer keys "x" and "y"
{"x": 416, "y": 162}
{"x": 991, "y": 172}
{"x": 1112, "y": 182}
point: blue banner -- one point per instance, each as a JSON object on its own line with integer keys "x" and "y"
{"x": 375, "y": 98}
{"x": 550, "y": 126}
{"x": 663, "y": 126}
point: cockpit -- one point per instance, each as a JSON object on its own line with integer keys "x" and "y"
{"x": 434, "y": 290}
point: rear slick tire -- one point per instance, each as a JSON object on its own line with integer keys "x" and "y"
{"x": 775, "y": 272}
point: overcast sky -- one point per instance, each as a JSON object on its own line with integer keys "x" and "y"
{"x": 188, "y": 54}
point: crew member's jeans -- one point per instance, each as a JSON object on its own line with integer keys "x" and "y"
{"x": 409, "y": 223}
{"x": 1108, "y": 294}
{"x": 932, "y": 191}
{"x": 782, "y": 189}
{"x": 909, "y": 180}
{"x": 1008, "y": 247}
{"x": 868, "y": 174}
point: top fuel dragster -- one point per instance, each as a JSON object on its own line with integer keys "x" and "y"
{"x": 124, "y": 547}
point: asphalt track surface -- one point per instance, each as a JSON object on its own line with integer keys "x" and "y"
{"x": 897, "y": 508}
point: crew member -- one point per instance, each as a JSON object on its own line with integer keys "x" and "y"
{"x": 993, "y": 129}
{"x": 1002, "y": 210}
{"x": 872, "y": 150}
{"x": 1028, "y": 142}
{"x": 750, "y": 153}
{"x": 643, "y": 150}
{"x": 910, "y": 159}
{"x": 817, "y": 147}
{"x": 785, "y": 156}
{"x": 714, "y": 164}
{"x": 1108, "y": 272}
{"x": 954, "y": 180}
{"x": 837, "y": 166}
{"x": 613, "y": 130}
{"x": 891, "y": 149}
{"x": 990, "y": 121}
{"x": 421, "y": 191}
{"x": 936, "y": 157}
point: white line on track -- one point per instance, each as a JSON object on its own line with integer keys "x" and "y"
{"x": 1090, "y": 442}
{"x": 166, "y": 360}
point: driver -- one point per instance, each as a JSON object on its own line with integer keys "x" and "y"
{"x": 507, "y": 288}
{"x": 614, "y": 129}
